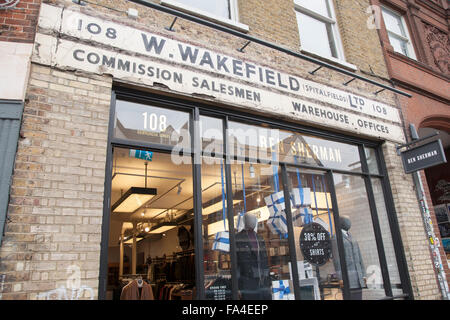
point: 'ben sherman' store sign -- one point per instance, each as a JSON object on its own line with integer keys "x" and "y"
{"x": 191, "y": 70}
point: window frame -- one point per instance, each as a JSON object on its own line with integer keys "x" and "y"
{"x": 195, "y": 109}
{"x": 232, "y": 22}
{"x": 334, "y": 30}
{"x": 404, "y": 27}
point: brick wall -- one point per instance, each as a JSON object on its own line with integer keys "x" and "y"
{"x": 272, "y": 20}
{"x": 361, "y": 43}
{"x": 56, "y": 206}
{"x": 417, "y": 251}
{"x": 19, "y": 24}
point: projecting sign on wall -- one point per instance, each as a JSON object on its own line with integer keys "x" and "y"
{"x": 422, "y": 157}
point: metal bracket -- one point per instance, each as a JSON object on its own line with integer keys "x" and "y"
{"x": 245, "y": 45}
{"x": 314, "y": 71}
{"x": 79, "y": 2}
{"x": 415, "y": 142}
{"x": 379, "y": 91}
{"x": 171, "y": 26}
{"x": 345, "y": 84}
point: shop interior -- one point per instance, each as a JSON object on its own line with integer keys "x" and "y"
{"x": 151, "y": 240}
{"x": 151, "y": 229}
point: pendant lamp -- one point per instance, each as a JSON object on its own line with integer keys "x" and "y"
{"x": 134, "y": 198}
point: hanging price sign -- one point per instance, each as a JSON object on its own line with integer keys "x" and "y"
{"x": 315, "y": 244}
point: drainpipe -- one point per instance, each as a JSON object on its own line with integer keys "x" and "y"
{"x": 434, "y": 241}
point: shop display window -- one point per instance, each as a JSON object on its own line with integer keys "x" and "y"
{"x": 209, "y": 206}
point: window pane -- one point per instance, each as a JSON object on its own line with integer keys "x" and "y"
{"x": 399, "y": 45}
{"x": 318, "y": 6}
{"x": 393, "y": 23}
{"x": 371, "y": 160}
{"x": 217, "y": 260}
{"x": 135, "y": 121}
{"x": 217, "y": 7}
{"x": 211, "y": 130}
{"x": 264, "y": 143}
{"x": 316, "y": 283}
{"x": 316, "y": 36}
{"x": 387, "y": 238}
{"x": 261, "y": 244}
{"x": 153, "y": 239}
{"x": 361, "y": 254}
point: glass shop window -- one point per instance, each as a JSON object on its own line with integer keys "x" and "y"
{"x": 149, "y": 124}
{"x": 257, "y": 142}
{"x": 318, "y": 259}
{"x": 389, "y": 251}
{"x": 361, "y": 252}
{"x": 215, "y": 229}
{"x": 261, "y": 236}
{"x": 151, "y": 239}
{"x": 211, "y": 132}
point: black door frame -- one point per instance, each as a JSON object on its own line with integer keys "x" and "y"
{"x": 195, "y": 109}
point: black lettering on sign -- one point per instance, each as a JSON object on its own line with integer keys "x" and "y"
{"x": 153, "y": 44}
{"x": 186, "y": 53}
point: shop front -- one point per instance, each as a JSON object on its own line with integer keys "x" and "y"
{"x": 194, "y": 173}
{"x": 199, "y": 211}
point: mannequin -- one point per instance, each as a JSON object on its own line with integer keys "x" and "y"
{"x": 253, "y": 269}
{"x": 355, "y": 266}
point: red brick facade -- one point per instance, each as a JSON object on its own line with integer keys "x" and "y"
{"x": 427, "y": 78}
{"x": 18, "y": 24}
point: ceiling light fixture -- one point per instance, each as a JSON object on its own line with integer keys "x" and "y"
{"x": 215, "y": 207}
{"x": 163, "y": 227}
{"x": 134, "y": 198}
{"x": 130, "y": 241}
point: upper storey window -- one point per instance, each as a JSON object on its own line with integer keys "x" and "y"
{"x": 318, "y": 28}
{"x": 398, "y": 33}
{"x": 221, "y": 11}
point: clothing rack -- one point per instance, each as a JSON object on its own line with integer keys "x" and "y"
{"x": 134, "y": 276}
{"x": 174, "y": 255}
{"x": 184, "y": 253}
{"x": 216, "y": 276}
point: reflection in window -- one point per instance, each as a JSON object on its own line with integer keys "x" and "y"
{"x": 216, "y": 245}
{"x": 398, "y": 33}
{"x": 261, "y": 240}
{"x": 211, "y": 130}
{"x": 371, "y": 160}
{"x": 260, "y": 143}
{"x": 318, "y": 28}
{"x": 314, "y": 207}
{"x": 219, "y": 8}
{"x": 150, "y": 124}
{"x": 361, "y": 253}
{"x": 389, "y": 251}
